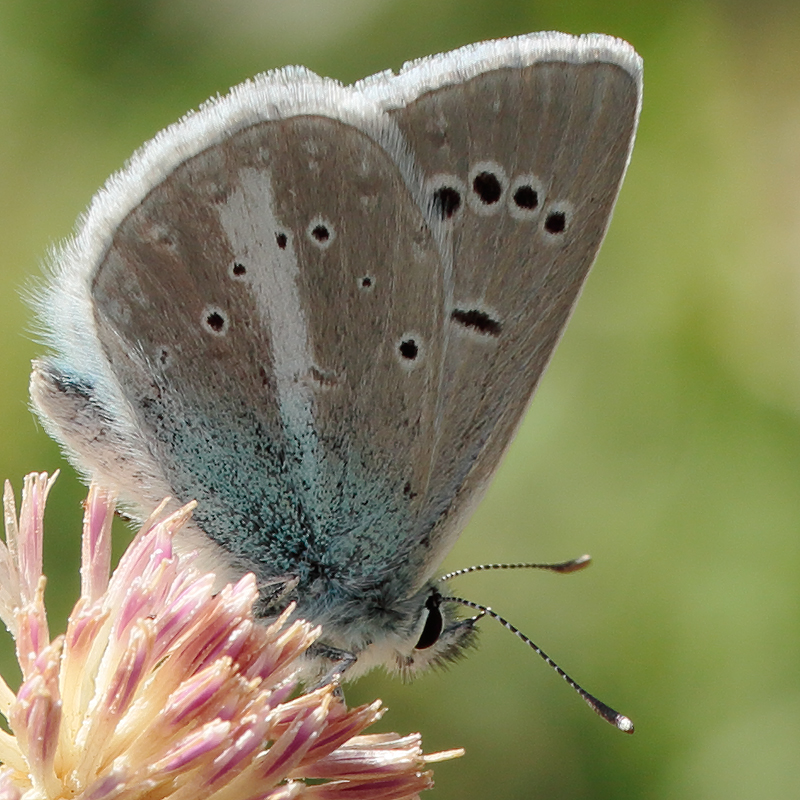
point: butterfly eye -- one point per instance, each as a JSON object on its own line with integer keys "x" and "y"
{"x": 433, "y": 624}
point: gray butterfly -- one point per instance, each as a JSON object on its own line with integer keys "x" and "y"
{"x": 322, "y": 310}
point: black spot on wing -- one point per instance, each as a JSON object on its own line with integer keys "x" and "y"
{"x": 477, "y": 320}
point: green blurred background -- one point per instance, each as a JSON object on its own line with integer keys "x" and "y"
{"x": 665, "y": 439}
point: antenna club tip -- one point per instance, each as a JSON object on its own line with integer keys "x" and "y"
{"x": 579, "y": 563}
{"x": 624, "y": 724}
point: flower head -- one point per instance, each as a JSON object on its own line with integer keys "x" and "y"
{"x": 163, "y": 689}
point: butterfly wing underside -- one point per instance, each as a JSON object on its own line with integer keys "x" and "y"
{"x": 524, "y": 163}
{"x": 255, "y": 320}
{"x": 321, "y": 311}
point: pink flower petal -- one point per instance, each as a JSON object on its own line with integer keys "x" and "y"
{"x": 96, "y": 543}
{"x": 162, "y": 690}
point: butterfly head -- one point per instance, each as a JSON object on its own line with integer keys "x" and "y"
{"x": 428, "y": 629}
{"x": 424, "y": 631}
{"x": 442, "y": 636}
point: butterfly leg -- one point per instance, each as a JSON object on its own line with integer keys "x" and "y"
{"x": 273, "y": 594}
{"x": 340, "y": 660}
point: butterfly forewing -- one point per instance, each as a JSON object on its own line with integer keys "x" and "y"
{"x": 522, "y": 166}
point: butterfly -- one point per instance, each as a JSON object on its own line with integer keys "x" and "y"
{"x": 322, "y": 310}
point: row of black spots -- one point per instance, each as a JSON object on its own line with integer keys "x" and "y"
{"x": 526, "y": 203}
{"x": 477, "y": 321}
{"x": 488, "y": 185}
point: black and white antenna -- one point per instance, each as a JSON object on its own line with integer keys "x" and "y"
{"x": 619, "y": 721}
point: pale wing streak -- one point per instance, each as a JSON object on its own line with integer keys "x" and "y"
{"x": 249, "y": 220}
